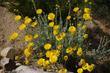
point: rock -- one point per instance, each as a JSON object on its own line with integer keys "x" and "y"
{"x": 8, "y": 52}
{"x": 8, "y": 64}
{"x": 26, "y": 69}
{"x": 1, "y": 69}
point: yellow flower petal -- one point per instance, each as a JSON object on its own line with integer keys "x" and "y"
{"x": 17, "y": 17}
{"x": 47, "y": 46}
{"x": 51, "y": 16}
{"x": 39, "y": 11}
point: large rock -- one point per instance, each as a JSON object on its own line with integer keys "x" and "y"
{"x": 8, "y": 52}
{"x": 27, "y": 69}
{"x": 8, "y": 64}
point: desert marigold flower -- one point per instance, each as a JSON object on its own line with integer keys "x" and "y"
{"x": 17, "y": 58}
{"x": 79, "y": 24}
{"x": 17, "y": 17}
{"x": 69, "y": 50}
{"x": 34, "y": 24}
{"x": 51, "y": 24}
{"x": 79, "y": 52}
{"x": 85, "y": 66}
{"x": 55, "y": 32}
{"x": 36, "y": 36}
{"x": 91, "y": 67}
{"x": 72, "y": 29}
{"x": 30, "y": 44}
{"x": 56, "y": 52}
{"x": 22, "y": 27}
{"x": 26, "y": 61}
{"x": 59, "y": 37}
{"x": 63, "y": 34}
{"x": 27, "y": 20}
{"x": 85, "y": 1}
{"x": 53, "y": 59}
{"x": 46, "y": 63}
{"x": 82, "y": 62}
{"x": 64, "y": 70}
{"x": 27, "y": 53}
{"x": 87, "y": 10}
{"x": 49, "y": 54}
{"x": 79, "y": 70}
{"x": 76, "y": 9}
{"x": 68, "y": 17}
{"x": 65, "y": 58}
{"x": 47, "y": 46}
{"x": 56, "y": 27}
{"x": 39, "y": 11}
{"x": 59, "y": 47}
{"x": 84, "y": 27}
{"x": 86, "y": 16}
{"x": 85, "y": 36}
{"x": 51, "y": 16}
{"x": 41, "y": 61}
{"x": 14, "y": 36}
{"x": 28, "y": 38}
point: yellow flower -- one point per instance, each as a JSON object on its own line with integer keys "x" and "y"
{"x": 47, "y": 46}
{"x": 59, "y": 37}
{"x": 86, "y": 16}
{"x": 26, "y": 61}
{"x": 68, "y": 17}
{"x": 49, "y": 54}
{"x": 41, "y": 61}
{"x": 17, "y": 17}
{"x": 84, "y": 27}
{"x": 69, "y": 50}
{"x": 30, "y": 44}
{"x": 17, "y": 58}
{"x": 65, "y": 57}
{"x": 27, "y": 53}
{"x": 53, "y": 59}
{"x": 28, "y": 38}
{"x": 79, "y": 70}
{"x": 13, "y": 36}
{"x": 85, "y": 36}
{"x": 46, "y": 63}
{"x": 36, "y": 36}
{"x": 87, "y": 10}
{"x": 63, "y": 34}
{"x": 64, "y": 70}
{"x": 56, "y": 52}
{"x": 60, "y": 47}
{"x": 79, "y": 24}
{"x": 76, "y": 9}
{"x": 90, "y": 67}
{"x": 27, "y": 20}
{"x": 79, "y": 52}
{"x": 22, "y": 27}
{"x": 51, "y": 24}
{"x": 72, "y": 29}
{"x": 82, "y": 62}
{"x": 56, "y": 27}
{"x": 85, "y": 1}
{"x": 39, "y": 11}
{"x": 51, "y": 16}
{"x": 34, "y": 24}
{"x": 55, "y": 32}
{"x": 85, "y": 66}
